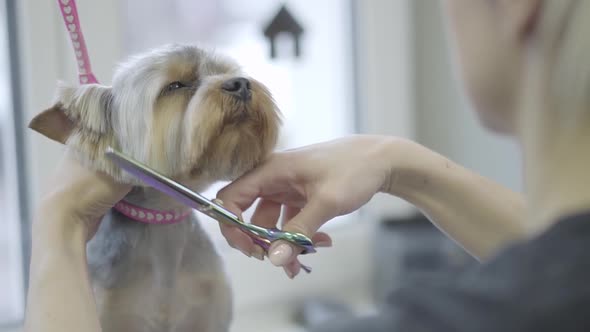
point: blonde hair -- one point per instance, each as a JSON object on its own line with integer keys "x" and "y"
{"x": 564, "y": 35}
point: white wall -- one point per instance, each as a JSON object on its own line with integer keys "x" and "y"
{"x": 444, "y": 121}
{"x": 385, "y": 82}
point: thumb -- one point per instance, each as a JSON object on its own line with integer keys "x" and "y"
{"x": 307, "y": 222}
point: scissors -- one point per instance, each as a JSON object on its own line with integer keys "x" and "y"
{"x": 264, "y": 237}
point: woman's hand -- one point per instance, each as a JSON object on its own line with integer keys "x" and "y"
{"x": 60, "y": 295}
{"x": 311, "y": 185}
{"x": 314, "y": 184}
{"x": 78, "y": 198}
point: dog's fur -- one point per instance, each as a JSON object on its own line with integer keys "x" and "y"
{"x": 163, "y": 277}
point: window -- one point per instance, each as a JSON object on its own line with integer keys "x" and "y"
{"x": 315, "y": 91}
{"x": 11, "y": 267}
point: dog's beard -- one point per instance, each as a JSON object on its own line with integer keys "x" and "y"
{"x": 226, "y": 136}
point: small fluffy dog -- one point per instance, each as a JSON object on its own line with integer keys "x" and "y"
{"x": 192, "y": 116}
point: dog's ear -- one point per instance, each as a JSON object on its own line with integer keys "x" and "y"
{"x": 86, "y": 108}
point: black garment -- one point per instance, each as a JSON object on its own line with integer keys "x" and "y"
{"x": 535, "y": 286}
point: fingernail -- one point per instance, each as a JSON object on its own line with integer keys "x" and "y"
{"x": 323, "y": 244}
{"x": 281, "y": 254}
{"x": 289, "y": 273}
{"x": 258, "y": 253}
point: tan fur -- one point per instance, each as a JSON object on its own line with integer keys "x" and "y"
{"x": 163, "y": 277}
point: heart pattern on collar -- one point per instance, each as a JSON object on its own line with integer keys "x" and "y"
{"x": 72, "y": 23}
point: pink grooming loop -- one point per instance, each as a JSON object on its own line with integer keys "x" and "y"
{"x": 69, "y": 13}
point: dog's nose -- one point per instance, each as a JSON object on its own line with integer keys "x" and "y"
{"x": 238, "y": 87}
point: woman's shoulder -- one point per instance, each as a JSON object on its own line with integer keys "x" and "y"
{"x": 536, "y": 285}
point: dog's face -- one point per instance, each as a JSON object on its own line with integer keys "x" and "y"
{"x": 179, "y": 109}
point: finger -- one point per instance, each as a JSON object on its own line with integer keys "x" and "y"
{"x": 239, "y": 195}
{"x": 113, "y": 191}
{"x": 267, "y": 213}
{"x": 310, "y": 218}
{"x": 103, "y": 186}
{"x": 289, "y": 212}
{"x": 237, "y": 239}
{"x": 306, "y": 222}
{"x": 321, "y": 240}
{"x": 84, "y": 193}
{"x": 283, "y": 253}
{"x": 292, "y": 269}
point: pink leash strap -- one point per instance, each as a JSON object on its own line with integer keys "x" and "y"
{"x": 71, "y": 19}
{"x": 69, "y": 13}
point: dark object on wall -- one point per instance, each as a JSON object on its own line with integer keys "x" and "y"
{"x": 283, "y": 22}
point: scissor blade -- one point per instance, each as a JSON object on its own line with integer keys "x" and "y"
{"x": 196, "y": 201}
{"x": 157, "y": 180}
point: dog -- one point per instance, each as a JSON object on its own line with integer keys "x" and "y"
{"x": 195, "y": 117}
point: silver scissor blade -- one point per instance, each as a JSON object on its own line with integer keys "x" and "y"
{"x": 175, "y": 190}
{"x": 202, "y": 204}
{"x": 158, "y": 181}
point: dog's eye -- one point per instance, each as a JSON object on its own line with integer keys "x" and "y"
{"x": 175, "y": 86}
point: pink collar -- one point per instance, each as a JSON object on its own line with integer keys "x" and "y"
{"x": 150, "y": 216}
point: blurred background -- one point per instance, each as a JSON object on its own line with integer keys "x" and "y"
{"x": 376, "y": 66}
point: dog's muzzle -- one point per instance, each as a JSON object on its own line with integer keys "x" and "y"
{"x": 238, "y": 87}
